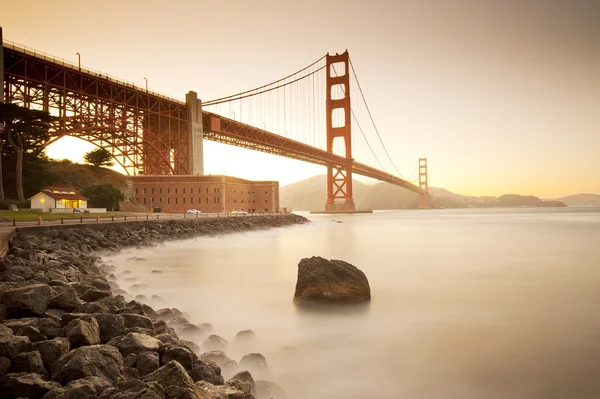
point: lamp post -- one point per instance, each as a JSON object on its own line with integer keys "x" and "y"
{"x": 146, "y": 84}
{"x": 79, "y": 61}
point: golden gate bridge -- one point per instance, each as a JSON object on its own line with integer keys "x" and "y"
{"x": 307, "y": 116}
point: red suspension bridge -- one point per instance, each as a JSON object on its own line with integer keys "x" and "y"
{"x": 307, "y": 116}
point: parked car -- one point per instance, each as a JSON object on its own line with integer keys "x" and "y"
{"x": 194, "y": 211}
{"x": 239, "y": 212}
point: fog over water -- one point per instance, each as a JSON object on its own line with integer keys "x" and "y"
{"x": 494, "y": 303}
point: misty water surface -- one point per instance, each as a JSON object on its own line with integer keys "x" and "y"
{"x": 466, "y": 303}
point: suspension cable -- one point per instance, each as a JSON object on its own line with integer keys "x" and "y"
{"x": 372, "y": 120}
{"x": 216, "y": 101}
{"x": 229, "y": 99}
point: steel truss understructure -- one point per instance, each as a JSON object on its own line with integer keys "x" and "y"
{"x": 146, "y": 133}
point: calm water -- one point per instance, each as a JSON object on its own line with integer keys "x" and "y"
{"x": 466, "y": 303}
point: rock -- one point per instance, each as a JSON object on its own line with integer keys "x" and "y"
{"x": 130, "y": 360}
{"x": 82, "y": 332}
{"x": 227, "y": 365}
{"x": 31, "y": 300}
{"x": 245, "y": 336}
{"x": 167, "y": 338}
{"x": 155, "y": 272}
{"x": 11, "y": 345}
{"x": 256, "y": 364}
{"x": 175, "y": 392}
{"x": 134, "y": 389}
{"x": 33, "y": 334}
{"x": 25, "y": 385}
{"x": 28, "y": 362}
{"x": 4, "y": 365}
{"x": 206, "y": 371}
{"x": 171, "y": 373}
{"x": 111, "y": 326}
{"x": 137, "y": 343}
{"x": 134, "y": 320}
{"x": 330, "y": 282}
{"x": 269, "y": 390}
{"x": 92, "y": 307}
{"x": 141, "y": 298}
{"x": 194, "y": 332}
{"x": 52, "y": 350}
{"x": 214, "y": 343}
{"x": 223, "y": 391}
{"x": 103, "y": 361}
{"x": 247, "y": 381}
{"x": 93, "y": 294}
{"x": 66, "y": 299}
{"x": 183, "y": 355}
{"x": 85, "y": 388}
{"x": 147, "y": 362}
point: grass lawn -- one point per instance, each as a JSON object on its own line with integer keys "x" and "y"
{"x": 28, "y": 215}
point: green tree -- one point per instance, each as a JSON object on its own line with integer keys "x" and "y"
{"x": 26, "y": 131}
{"x": 104, "y": 196}
{"x": 99, "y": 157}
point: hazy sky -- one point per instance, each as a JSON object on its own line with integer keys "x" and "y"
{"x": 501, "y": 96}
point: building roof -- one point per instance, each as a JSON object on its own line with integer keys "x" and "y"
{"x": 64, "y": 193}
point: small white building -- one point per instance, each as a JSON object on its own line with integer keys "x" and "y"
{"x": 52, "y": 197}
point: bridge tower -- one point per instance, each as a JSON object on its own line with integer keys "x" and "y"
{"x": 339, "y": 177}
{"x": 425, "y": 199}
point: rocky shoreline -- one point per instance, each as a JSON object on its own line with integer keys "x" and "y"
{"x": 65, "y": 334}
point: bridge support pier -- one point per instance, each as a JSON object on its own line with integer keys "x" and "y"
{"x": 196, "y": 133}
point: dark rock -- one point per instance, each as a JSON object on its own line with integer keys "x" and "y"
{"x": 130, "y": 360}
{"x": 256, "y": 364}
{"x": 183, "y": 355}
{"x": 25, "y": 385}
{"x": 171, "y": 373}
{"x": 330, "y": 282}
{"x": 227, "y": 365}
{"x": 103, "y": 361}
{"x": 134, "y": 320}
{"x": 93, "y": 294}
{"x": 206, "y": 371}
{"x": 214, "y": 343}
{"x": 224, "y": 391}
{"x": 82, "y": 332}
{"x": 52, "y": 350}
{"x": 92, "y": 307}
{"x": 66, "y": 299}
{"x": 11, "y": 345}
{"x": 147, "y": 362}
{"x": 31, "y": 300}
{"x": 85, "y": 388}
{"x": 4, "y": 365}
{"x": 167, "y": 338}
{"x": 134, "y": 389}
{"x": 51, "y": 328}
{"x": 22, "y": 271}
{"x": 28, "y": 362}
{"x": 137, "y": 343}
{"x": 33, "y": 334}
{"x": 111, "y": 326}
{"x": 179, "y": 321}
{"x": 269, "y": 390}
{"x": 54, "y": 314}
{"x": 175, "y": 392}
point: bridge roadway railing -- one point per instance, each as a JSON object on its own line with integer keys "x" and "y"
{"x": 68, "y": 64}
{"x": 129, "y": 218}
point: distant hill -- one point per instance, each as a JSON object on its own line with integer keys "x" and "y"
{"x": 581, "y": 200}
{"x": 310, "y": 194}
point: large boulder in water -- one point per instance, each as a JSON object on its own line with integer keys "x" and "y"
{"x": 330, "y": 281}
